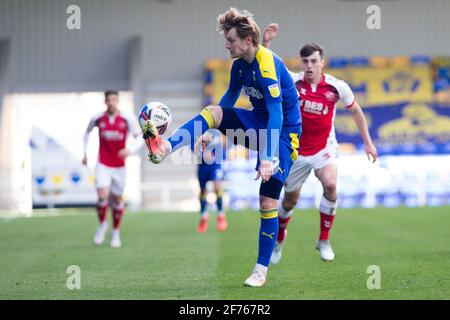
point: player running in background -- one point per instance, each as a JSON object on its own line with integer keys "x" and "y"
{"x": 211, "y": 152}
{"x": 318, "y": 150}
{"x": 110, "y": 172}
{"x": 272, "y": 127}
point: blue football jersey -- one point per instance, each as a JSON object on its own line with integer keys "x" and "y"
{"x": 267, "y": 80}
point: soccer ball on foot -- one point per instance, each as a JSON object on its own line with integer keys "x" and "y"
{"x": 159, "y": 113}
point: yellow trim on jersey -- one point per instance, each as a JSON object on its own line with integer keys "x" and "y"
{"x": 208, "y": 116}
{"x": 268, "y": 214}
{"x": 294, "y": 144}
{"x": 266, "y": 63}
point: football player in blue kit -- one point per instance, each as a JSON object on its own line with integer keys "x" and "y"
{"x": 272, "y": 127}
{"x": 211, "y": 154}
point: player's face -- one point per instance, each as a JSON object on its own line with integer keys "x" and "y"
{"x": 111, "y": 103}
{"x": 235, "y": 45}
{"x": 312, "y": 66}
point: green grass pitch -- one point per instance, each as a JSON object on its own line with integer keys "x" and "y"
{"x": 163, "y": 257}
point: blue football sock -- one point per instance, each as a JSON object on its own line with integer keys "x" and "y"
{"x": 189, "y": 132}
{"x": 202, "y": 205}
{"x": 219, "y": 202}
{"x": 268, "y": 233}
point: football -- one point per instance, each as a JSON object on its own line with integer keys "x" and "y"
{"x": 159, "y": 113}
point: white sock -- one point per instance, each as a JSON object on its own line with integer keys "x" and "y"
{"x": 282, "y": 213}
{"x": 104, "y": 224}
{"x": 327, "y": 206}
{"x": 116, "y": 232}
{"x": 262, "y": 269}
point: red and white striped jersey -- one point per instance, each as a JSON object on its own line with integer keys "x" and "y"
{"x": 113, "y": 131}
{"x": 318, "y": 109}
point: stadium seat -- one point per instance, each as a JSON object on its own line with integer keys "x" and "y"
{"x": 400, "y": 61}
{"x": 292, "y": 64}
{"x": 208, "y": 78}
{"x": 378, "y": 61}
{"x": 213, "y": 64}
{"x": 443, "y": 73}
{"x": 359, "y": 61}
{"x": 420, "y": 59}
{"x": 338, "y": 62}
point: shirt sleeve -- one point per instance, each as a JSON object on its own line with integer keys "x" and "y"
{"x": 234, "y": 88}
{"x": 92, "y": 124}
{"x": 274, "y": 126}
{"x": 269, "y": 81}
{"x": 345, "y": 94}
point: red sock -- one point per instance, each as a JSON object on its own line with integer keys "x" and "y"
{"x": 326, "y": 221}
{"x": 117, "y": 216}
{"x": 282, "y": 225}
{"x": 102, "y": 207}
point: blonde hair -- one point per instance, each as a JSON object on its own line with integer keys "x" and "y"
{"x": 242, "y": 21}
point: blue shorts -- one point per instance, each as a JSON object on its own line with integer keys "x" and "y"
{"x": 237, "y": 118}
{"x": 209, "y": 172}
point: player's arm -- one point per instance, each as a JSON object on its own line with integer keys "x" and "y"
{"x": 271, "y": 90}
{"x": 361, "y": 123}
{"x": 89, "y": 128}
{"x": 270, "y": 33}
{"x": 234, "y": 88}
{"x": 348, "y": 99}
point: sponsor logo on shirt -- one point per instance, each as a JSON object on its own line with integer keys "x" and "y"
{"x": 314, "y": 107}
{"x": 253, "y": 92}
{"x": 274, "y": 90}
{"x": 112, "y": 135}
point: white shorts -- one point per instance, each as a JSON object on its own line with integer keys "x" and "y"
{"x": 109, "y": 177}
{"x": 301, "y": 168}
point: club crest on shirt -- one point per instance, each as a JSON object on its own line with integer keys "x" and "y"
{"x": 329, "y": 95}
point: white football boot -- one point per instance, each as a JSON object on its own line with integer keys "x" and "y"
{"x": 258, "y": 277}
{"x": 326, "y": 252}
{"x": 100, "y": 233}
{"x": 158, "y": 148}
{"x": 115, "y": 240}
{"x": 276, "y": 254}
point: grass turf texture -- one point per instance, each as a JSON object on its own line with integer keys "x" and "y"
{"x": 163, "y": 257}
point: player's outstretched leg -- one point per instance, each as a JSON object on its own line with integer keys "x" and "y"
{"x": 327, "y": 213}
{"x": 118, "y": 211}
{"x": 187, "y": 134}
{"x": 102, "y": 207}
{"x": 204, "y": 215}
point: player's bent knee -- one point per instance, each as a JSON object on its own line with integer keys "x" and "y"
{"x": 329, "y": 188}
{"x": 289, "y": 204}
{"x": 267, "y": 203}
{"x": 216, "y": 113}
{"x": 290, "y": 200}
